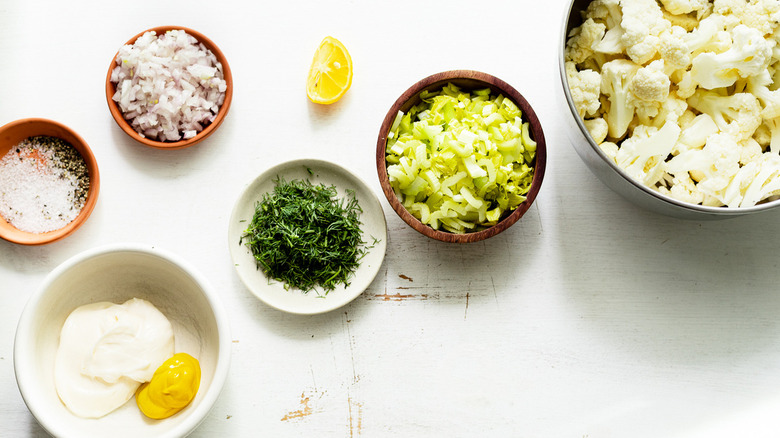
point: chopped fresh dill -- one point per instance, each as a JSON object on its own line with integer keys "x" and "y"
{"x": 305, "y": 236}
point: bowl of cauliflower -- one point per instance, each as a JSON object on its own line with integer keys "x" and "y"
{"x": 676, "y": 103}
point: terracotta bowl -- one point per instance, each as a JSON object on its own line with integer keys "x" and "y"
{"x": 466, "y": 80}
{"x": 116, "y": 112}
{"x": 13, "y": 133}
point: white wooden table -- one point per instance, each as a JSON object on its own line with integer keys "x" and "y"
{"x": 588, "y": 318}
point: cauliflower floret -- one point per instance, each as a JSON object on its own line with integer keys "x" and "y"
{"x": 673, "y": 50}
{"x": 695, "y": 133}
{"x": 750, "y": 151}
{"x": 643, "y": 23}
{"x": 583, "y": 39}
{"x": 678, "y": 7}
{"x": 671, "y": 109}
{"x": 615, "y": 81}
{"x": 762, "y": 15}
{"x": 773, "y": 126}
{"x": 598, "y": 129}
{"x": 763, "y": 136}
{"x": 755, "y": 181}
{"x": 775, "y": 37}
{"x": 653, "y": 113}
{"x": 739, "y": 112}
{"x": 584, "y": 86}
{"x": 713, "y": 166}
{"x": 710, "y": 35}
{"x": 608, "y": 13}
{"x": 604, "y": 11}
{"x": 610, "y": 150}
{"x": 711, "y": 201}
{"x": 689, "y": 22}
{"x": 686, "y": 85}
{"x": 642, "y": 155}
{"x": 765, "y": 182}
{"x": 749, "y": 55}
{"x": 687, "y": 117}
{"x": 758, "y": 86}
{"x": 651, "y": 83}
{"x": 684, "y": 189}
{"x": 650, "y": 87}
{"x": 734, "y": 194}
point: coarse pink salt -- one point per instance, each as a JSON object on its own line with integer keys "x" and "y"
{"x": 43, "y": 184}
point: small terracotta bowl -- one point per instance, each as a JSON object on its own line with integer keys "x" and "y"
{"x": 466, "y": 80}
{"x": 116, "y": 112}
{"x": 13, "y": 133}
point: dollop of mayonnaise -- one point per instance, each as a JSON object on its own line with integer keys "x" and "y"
{"x": 107, "y": 351}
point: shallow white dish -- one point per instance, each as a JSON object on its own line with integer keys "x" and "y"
{"x": 116, "y": 273}
{"x": 373, "y": 225}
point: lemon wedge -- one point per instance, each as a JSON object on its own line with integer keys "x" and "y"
{"x": 330, "y": 75}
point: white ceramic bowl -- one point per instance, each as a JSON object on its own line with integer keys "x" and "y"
{"x": 117, "y": 273}
{"x": 373, "y": 226}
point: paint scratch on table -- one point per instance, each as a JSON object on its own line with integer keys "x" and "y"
{"x": 398, "y": 297}
{"x": 493, "y": 288}
{"x": 466, "y": 312}
{"x": 406, "y": 278}
{"x": 351, "y": 340}
{"x": 355, "y": 417}
{"x": 304, "y": 411}
{"x": 539, "y": 218}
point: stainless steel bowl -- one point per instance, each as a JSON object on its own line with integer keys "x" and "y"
{"x": 609, "y": 173}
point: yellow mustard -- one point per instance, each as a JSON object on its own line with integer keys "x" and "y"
{"x": 173, "y": 386}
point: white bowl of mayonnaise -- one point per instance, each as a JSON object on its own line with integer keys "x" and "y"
{"x": 105, "y": 322}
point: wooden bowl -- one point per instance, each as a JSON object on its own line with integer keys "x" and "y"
{"x": 467, "y": 80}
{"x": 116, "y": 112}
{"x": 13, "y": 133}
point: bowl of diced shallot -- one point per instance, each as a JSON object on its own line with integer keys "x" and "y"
{"x": 169, "y": 87}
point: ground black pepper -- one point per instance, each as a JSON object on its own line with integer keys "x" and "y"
{"x": 47, "y": 189}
